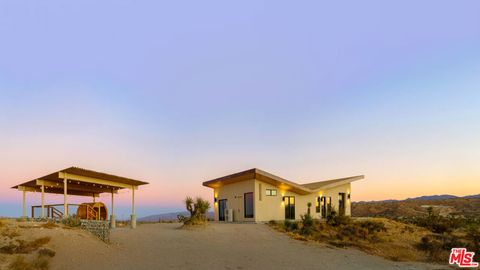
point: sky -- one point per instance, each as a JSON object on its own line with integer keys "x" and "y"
{"x": 178, "y": 92}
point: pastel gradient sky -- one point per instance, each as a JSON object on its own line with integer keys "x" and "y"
{"x": 178, "y": 92}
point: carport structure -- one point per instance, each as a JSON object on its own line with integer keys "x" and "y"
{"x": 78, "y": 182}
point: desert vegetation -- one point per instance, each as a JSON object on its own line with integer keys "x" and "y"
{"x": 428, "y": 239}
{"x": 17, "y": 253}
{"x": 197, "y": 209}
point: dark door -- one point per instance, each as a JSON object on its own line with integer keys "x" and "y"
{"x": 323, "y": 206}
{"x": 326, "y": 205}
{"x": 341, "y": 204}
{"x": 289, "y": 202}
{"x": 248, "y": 204}
{"x": 222, "y": 206}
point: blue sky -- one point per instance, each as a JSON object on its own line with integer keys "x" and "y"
{"x": 180, "y": 92}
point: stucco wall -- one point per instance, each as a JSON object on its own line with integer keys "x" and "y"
{"x": 333, "y": 192}
{"x": 234, "y": 194}
{"x": 272, "y": 207}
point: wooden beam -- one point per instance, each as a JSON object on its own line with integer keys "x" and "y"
{"x": 94, "y": 180}
{"x": 74, "y": 186}
{"x": 29, "y": 189}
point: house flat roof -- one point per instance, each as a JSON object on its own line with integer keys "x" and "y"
{"x": 282, "y": 183}
{"x": 81, "y": 182}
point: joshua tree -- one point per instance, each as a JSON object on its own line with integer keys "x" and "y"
{"x": 198, "y": 209}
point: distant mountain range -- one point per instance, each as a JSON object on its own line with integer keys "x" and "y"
{"x": 443, "y": 204}
{"x": 427, "y": 198}
{"x": 168, "y": 216}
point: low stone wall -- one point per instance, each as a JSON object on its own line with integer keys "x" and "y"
{"x": 99, "y": 228}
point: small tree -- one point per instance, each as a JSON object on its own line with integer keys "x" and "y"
{"x": 198, "y": 210}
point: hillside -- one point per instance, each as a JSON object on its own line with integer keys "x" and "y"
{"x": 467, "y": 206}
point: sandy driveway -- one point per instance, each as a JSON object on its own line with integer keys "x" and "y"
{"x": 221, "y": 246}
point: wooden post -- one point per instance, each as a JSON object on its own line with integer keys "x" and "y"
{"x": 24, "y": 208}
{"x": 133, "y": 201}
{"x": 112, "y": 215}
{"x": 94, "y": 200}
{"x": 133, "y": 218}
{"x": 65, "y": 204}
{"x": 43, "y": 201}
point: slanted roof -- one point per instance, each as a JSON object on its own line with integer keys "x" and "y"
{"x": 332, "y": 183}
{"x": 278, "y": 181}
{"x": 80, "y": 182}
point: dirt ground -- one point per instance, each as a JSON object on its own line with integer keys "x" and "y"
{"x": 219, "y": 246}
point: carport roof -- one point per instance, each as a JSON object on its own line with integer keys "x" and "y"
{"x": 81, "y": 182}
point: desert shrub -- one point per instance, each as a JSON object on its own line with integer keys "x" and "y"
{"x": 351, "y": 232}
{"x": 307, "y": 224}
{"x": 46, "y": 252}
{"x": 20, "y": 263}
{"x": 436, "y": 223}
{"x": 432, "y": 246}
{"x": 198, "y": 209}
{"x": 40, "y": 262}
{"x": 294, "y": 226}
{"x": 290, "y": 225}
{"x": 10, "y": 234}
{"x": 373, "y": 226}
{"x": 473, "y": 235}
{"x": 24, "y": 247}
{"x": 334, "y": 219}
{"x": 438, "y": 246}
{"x": 71, "y": 221}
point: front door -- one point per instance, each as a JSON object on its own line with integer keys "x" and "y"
{"x": 222, "y": 206}
{"x": 289, "y": 207}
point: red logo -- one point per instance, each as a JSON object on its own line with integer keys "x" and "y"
{"x": 462, "y": 258}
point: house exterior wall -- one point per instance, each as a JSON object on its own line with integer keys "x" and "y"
{"x": 234, "y": 193}
{"x": 272, "y": 207}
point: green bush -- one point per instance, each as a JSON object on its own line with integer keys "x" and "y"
{"x": 307, "y": 224}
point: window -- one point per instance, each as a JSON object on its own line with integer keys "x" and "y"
{"x": 248, "y": 204}
{"x": 271, "y": 192}
{"x": 317, "y": 205}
